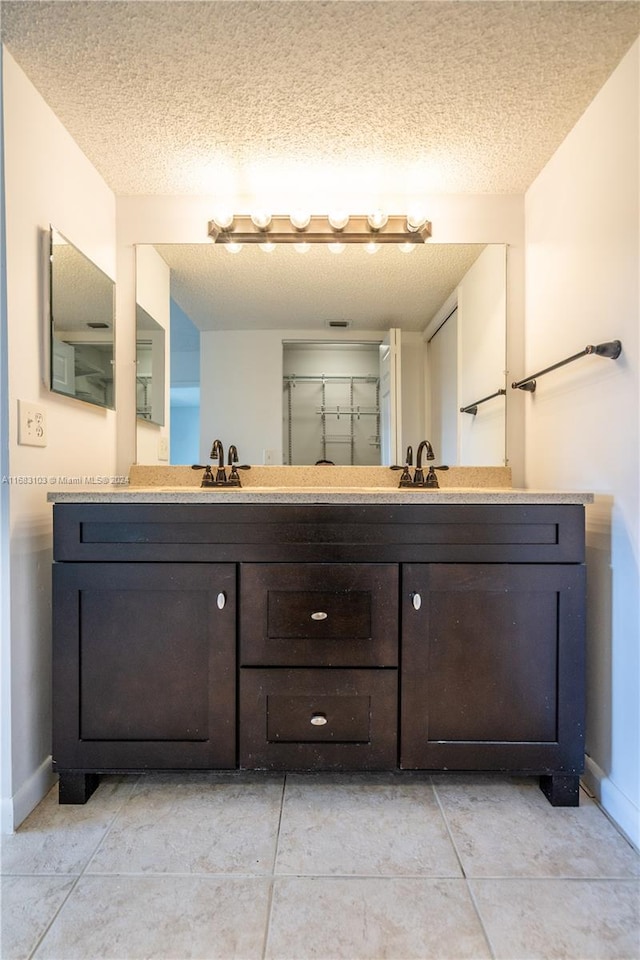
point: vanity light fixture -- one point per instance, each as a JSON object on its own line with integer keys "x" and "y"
{"x": 233, "y": 247}
{"x": 373, "y": 228}
{"x": 378, "y": 219}
{"x": 338, "y": 219}
{"x": 372, "y": 247}
{"x": 261, "y": 219}
{"x": 268, "y": 246}
{"x": 407, "y": 247}
{"x": 302, "y": 247}
{"x": 337, "y": 247}
{"x": 300, "y": 219}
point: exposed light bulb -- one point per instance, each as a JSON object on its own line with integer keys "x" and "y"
{"x": 233, "y": 247}
{"x": 338, "y": 219}
{"x": 268, "y": 247}
{"x": 302, "y": 247}
{"x": 415, "y": 220}
{"x": 372, "y": 247}
{"x": 337, "y": 247}
{"x": 261, "y": 219}
{"x": 300, "y": 219}
{"x": 377, "y": 219}
{"x": 407, "y": 247}
{"x": 223, "y": 218}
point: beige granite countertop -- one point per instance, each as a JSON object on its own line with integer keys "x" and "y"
{"x": 325, "y": 484}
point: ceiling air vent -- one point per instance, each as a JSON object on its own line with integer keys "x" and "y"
{"x": 98, "y": 325}
{"x": 338, "y": 324}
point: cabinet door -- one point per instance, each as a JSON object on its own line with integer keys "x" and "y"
{"x": 144, "y": 665}
{"x": 493, "y": 667}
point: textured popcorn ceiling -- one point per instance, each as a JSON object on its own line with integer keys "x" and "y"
{"x": 355, "y": 104}
{"x": 253, "y": 290}
{"x": 278, "y": 101}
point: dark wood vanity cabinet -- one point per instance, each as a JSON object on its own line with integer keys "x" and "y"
{"x": 341, "y": 637}
{"x": 143, "y": 668}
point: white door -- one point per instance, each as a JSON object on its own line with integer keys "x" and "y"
{"x": 390, "y": 396}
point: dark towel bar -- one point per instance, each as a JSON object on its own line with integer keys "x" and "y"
{"x": 610, "y": 349}
{"x": 473, "y": 407}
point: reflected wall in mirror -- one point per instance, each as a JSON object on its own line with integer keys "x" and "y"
{"x": 247, "y": 305}
{"x": 81, "y": 329}
{"x": 150, "y": 378}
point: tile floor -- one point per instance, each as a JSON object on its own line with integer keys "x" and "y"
{"x": 217, "y": 865}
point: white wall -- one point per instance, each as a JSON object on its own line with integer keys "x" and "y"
{"x": 582, "y": 429}
{"x": 467, "y": 360}
{"x": 153, "y": 295}
{"x": 482, "y": 358}
{"x": 48, "y": 180}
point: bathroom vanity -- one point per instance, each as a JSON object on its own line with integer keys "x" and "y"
{"x": 362, "y": 630}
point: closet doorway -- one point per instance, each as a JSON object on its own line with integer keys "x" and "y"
{"x": 331, "y": 403}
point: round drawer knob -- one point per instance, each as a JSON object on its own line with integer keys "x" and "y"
{"x": 416, "y": 600}
{"x": 320, "y": 615}
{"x": 221, "y": 600}
{"x": 319, "y": 719}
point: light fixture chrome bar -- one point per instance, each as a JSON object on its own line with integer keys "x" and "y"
{"x": 280, "y": 230}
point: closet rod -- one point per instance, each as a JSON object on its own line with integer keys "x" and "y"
{"x": 473, "y": 407}
{"x": 293, "y": 379}
{"x": 611, "y": 349}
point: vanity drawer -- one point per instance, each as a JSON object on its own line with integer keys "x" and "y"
{"x": 318, "y": 719}
{"x": 319, "y": 614}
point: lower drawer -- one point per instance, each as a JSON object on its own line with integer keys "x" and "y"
{"x": 318, "y": 719}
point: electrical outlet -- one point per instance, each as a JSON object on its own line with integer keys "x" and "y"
{"x": 268, "y": 457}
{"x": 32, "y": 424}
{"x": 163, "y": 448}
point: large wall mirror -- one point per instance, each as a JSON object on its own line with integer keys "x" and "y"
{"x": 81, "y": 328}
{"x": 262, "y": 320}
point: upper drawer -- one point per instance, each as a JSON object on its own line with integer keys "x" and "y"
{"x": 319, "y": 614}
{"x": 320, "y": 533}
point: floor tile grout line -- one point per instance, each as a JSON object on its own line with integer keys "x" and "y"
{"x": 267, "y": 928}
{"x": 470, "y": 894}
{"x": 78, "y": 877}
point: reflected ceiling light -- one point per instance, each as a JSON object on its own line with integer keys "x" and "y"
{"x": 377, "y": 220}
{"x": 267, "y": 246}
{"x": 302, "y": 247}
{"x": 338, "y": 219}
{"x": 261, "y": 219}
{"x": 300, "y": 219}
{"x": 233, "y": 247}
{"x": 372, "y": 247}
{"x": 337, "y": 247}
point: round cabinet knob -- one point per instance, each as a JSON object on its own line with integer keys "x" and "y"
{"x": 319, "y": 719}
{"x": 320, "y": 615}
{"x": 416, "y": 600}
{"x": 221, "y": 600}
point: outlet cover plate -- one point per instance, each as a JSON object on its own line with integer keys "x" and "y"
{"x": 32, "y": 424}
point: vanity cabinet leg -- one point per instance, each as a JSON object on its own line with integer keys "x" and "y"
{"x": 76, "y": 787}
{"x": 561, "y": 791}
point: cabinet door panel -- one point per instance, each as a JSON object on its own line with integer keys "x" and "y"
{"x": 144, "y": 664}
{"x": 492, "y": 667}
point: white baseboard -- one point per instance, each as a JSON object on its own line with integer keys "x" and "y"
{"x": 617, "y": 806}
{"x": 17, "y": 808}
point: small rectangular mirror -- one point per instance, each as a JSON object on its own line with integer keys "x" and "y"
{"x": 150, "y": 374}
{"x": 81, "y": 325}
